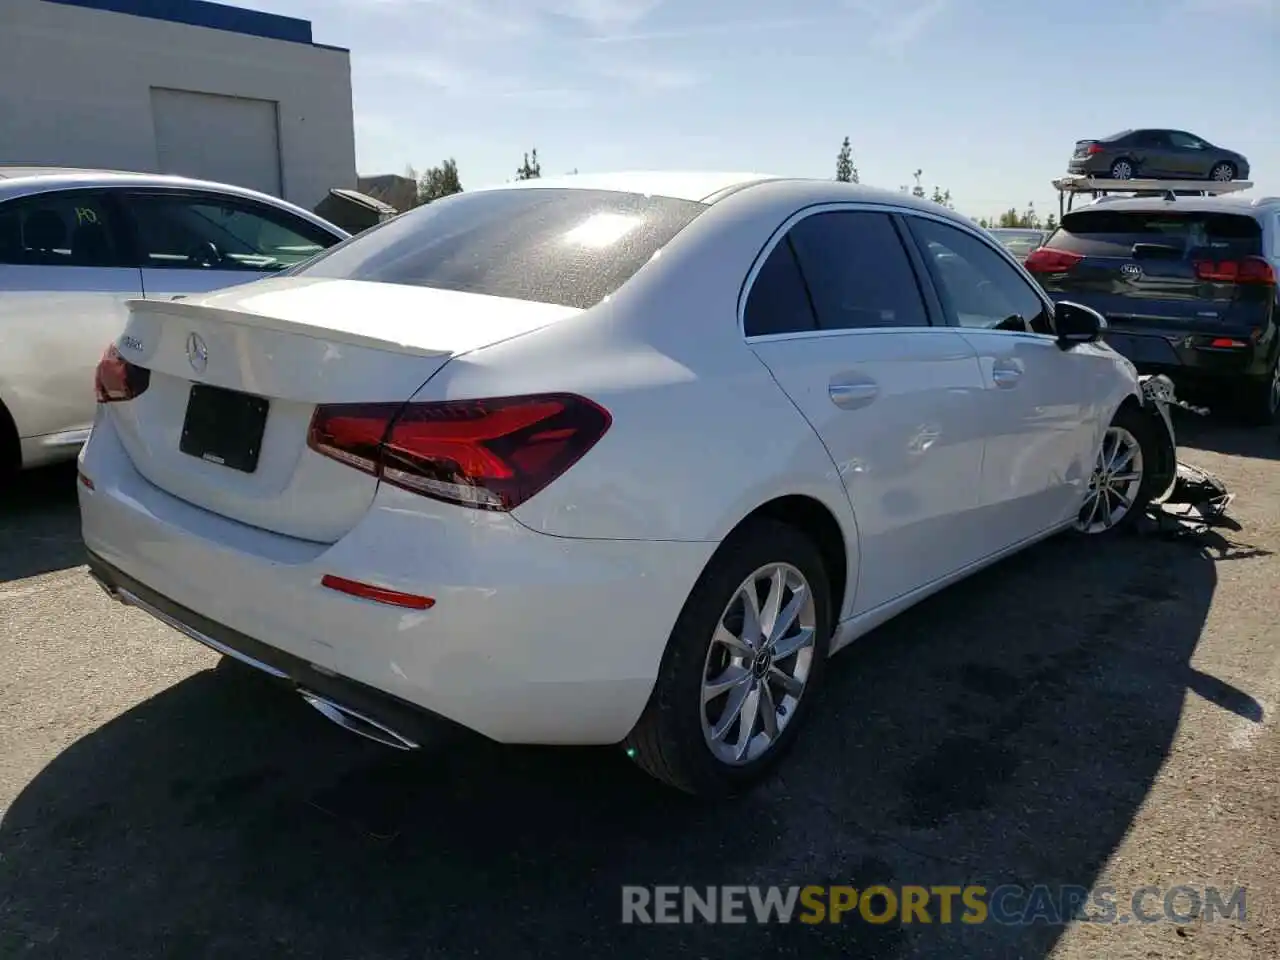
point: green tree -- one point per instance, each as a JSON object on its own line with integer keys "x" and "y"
{"x": 1010, "y": 218}
{"x": 917, "y": 190}
{"x": 437, "y": 182}
{"x": 984, "y": 223}
{"x": 943, "y": 197}
{"x": 846, "y": 172}
{"x": 1051, "y": 222}
{"x": 531, "y": 169}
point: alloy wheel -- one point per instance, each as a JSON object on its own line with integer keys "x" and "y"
{"x": 1273, "y": 394}
{"x": 1223, "y": 173}
{"x": 1115, "y": 483}
{"x": 1122, "y": 170}
{"x": 758, "y": 664}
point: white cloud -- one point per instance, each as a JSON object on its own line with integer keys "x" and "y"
{"x": 900, "y": 23}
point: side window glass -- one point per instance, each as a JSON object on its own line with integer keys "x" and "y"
{"x": 978, "y": 287}
{"x": 69, "y": 229}
{"x": 858, "y": 272}
{"x": 1185, "y": 141}
{"x": 183, "y": 232}
{"x": 778, "y": 301}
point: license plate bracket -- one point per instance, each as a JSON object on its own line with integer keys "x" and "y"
{"x": 225, "y": 427}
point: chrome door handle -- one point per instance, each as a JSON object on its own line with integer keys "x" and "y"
{"x": 1006, "y": 375}
{"x": 850, "y": 396}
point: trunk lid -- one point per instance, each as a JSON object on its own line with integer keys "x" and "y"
{"x": 236, "y": 376}
{"x": 1082, "y": 149}
{"x": 1144, "y": 270}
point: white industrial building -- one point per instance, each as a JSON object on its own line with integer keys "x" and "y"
{"x": 176, "y": 86}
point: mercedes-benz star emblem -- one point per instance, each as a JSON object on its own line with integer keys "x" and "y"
{"x": 1131, "y": 270}
{"x": 197, "y": 352}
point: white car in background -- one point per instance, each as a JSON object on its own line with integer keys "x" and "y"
{"x": 76, "y": 244}
{"x": 605, "y": 459}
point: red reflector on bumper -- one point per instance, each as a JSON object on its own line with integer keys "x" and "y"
{"x": 84, "y": 479}
{"x": 367, "y": 591}
{"x": 1225, "y": 342}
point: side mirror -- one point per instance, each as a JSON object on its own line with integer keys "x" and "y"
{"x": 1075, "y": 323}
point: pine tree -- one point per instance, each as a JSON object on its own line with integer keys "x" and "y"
{"x": 531, "y": 169}
{"x": 846, "y": 172}
{"x": 437, "y": 182}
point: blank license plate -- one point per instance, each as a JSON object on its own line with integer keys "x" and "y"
{"x": 224, "y": 427}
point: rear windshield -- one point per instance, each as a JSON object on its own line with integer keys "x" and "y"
{"x": 1112, "y": 233}
{"x": 562, "y": 246}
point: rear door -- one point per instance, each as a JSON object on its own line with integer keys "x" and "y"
{"x": 837, "y": 314}
{"x": 1154, "y": 154}
{"x": 64, "y": 281}
{"x": 1158, "y": 275}
{"x": 195, "y": 242}
{"x": 1039, "y": 404}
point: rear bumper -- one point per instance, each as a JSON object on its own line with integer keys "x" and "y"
{"x": 1191, "y": 359}
{"x": 532, "y": 639}
{"x": 1089, "y": 166}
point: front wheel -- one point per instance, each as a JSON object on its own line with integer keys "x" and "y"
{"x": 1124, "y": 476}
{"x": 1223, "y": 172}
{"x": 742, "y": 664}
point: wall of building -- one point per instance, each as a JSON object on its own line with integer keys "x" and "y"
{"x": 78, "y": 82}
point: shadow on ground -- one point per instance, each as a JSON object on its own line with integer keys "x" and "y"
{"x": 1220, "y": 433}
{"x": 40, "y": 523}
{"x": 1005, "y": 731}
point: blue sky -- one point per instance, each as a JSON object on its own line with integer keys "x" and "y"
{"x": 987, "y": 97}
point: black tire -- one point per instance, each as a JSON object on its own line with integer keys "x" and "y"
{"x": 1139, "y": 424}
{"x": 10, "y": 448}
{"x": 1225, "y": 167}
{"x": 668, "y": 741}
{"x": 1257, "y": 404}
{"x": 1116, "y": 169}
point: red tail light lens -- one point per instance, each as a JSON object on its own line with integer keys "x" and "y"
{"x": 1045, "y": 260}
{"x": 489, "y": 454}
{"x": 116, "y": 379}
{"x": 1095, "y": 149}
{"x": 1248, "y": 270}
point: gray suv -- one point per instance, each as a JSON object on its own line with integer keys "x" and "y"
{"x": 1157, "y": 154}
{"x": 1188, "y": 288}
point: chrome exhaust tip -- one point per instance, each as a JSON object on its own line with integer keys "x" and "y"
{"x": 357, "y": 722}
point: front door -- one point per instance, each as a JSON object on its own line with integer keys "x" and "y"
{"x": 837, "y": 315}
{"x": 195, "y": 242}
{"x": 1038, "y": 417}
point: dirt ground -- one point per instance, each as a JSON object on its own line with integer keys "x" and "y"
{"x": 1082, "y": 715}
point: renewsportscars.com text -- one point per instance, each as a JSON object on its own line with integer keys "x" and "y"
{"x": 1008, "y": 904}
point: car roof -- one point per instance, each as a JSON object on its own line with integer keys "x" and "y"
{"x": 21, "y": 180}
{"x": 696, "y": 185}
{"x": 712, "y": 186}
{"x": 1246, "y": 206}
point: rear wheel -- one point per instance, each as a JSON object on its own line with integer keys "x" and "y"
{"x": 1124, "y": 478}
{"x": 1223, "y": 172}
{"x": 1122, "y": 170}
{"x": 742, "y": 665}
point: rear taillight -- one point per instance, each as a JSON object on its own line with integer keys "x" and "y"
{"x": 1248, "y": 270}
{"x": 1045, "y": 260}
{"x": 489, "y": 454}
{"x": 117, "y": 379}
{"x": 1095, "y": 149}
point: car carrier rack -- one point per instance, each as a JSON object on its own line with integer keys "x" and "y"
{"x": 1069, "y": 187}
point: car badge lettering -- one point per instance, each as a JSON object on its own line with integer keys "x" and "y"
{"x": 1131, "y": 270}
{"x": 133, "y": 343}
{"x": 197, "y": 352}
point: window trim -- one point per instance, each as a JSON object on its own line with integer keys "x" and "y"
{"x": 120, "y": 234}
{"x": 936, "y": 318}
{"x": 1048, "y": 302}
{"x": 121, "y": 195}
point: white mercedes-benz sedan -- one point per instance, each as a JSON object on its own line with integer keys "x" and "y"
{"x": 601, "y": 460}
{"x": 76, "y": 245}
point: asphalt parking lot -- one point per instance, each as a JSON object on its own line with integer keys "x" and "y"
{"x": 1084, "y": 714}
